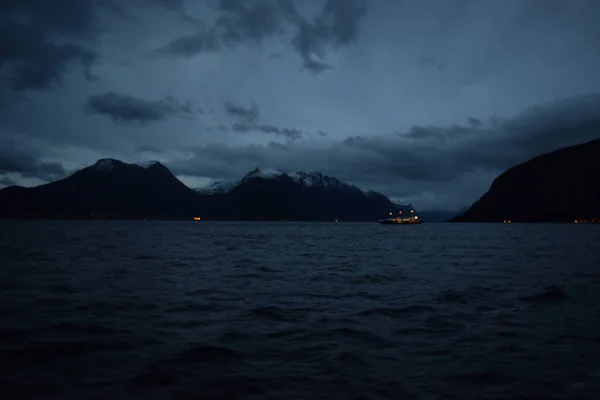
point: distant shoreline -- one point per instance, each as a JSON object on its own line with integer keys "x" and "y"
{"x": 154, "y": 219}
{"x": 171, "y": 219}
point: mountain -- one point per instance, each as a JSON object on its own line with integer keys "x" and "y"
{"x": 273, "y": 194}
{"x": 563, "y": 185}
{"x": 114, "y": 189}
{"x": 217, "y": 187}
{"x": 107, "y": 189}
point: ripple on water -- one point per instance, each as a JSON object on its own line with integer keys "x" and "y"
{"x": 298, "y": 311}
{"x": 396, "y": 311}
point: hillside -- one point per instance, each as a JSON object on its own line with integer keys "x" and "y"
{"x": 107, "y": 189}
{"x": 560, "y": 186}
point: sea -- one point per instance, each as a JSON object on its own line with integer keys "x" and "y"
{"x": 233, "y": 310}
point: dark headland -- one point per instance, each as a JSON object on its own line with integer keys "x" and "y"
{"x": 560, "y": 186}
{"x": 111, "y": 189}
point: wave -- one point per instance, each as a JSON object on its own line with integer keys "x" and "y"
{"x": 551, "y": 294}
{"x": 395, "y": 311}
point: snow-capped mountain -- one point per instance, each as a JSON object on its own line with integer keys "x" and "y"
{"x": 218, "y": 187}
{"x": 306, "y": 179}
{"x": 264, "y": 173}
{"x": 106, "y": 164}
{"x": 110, "y": 164}
{"x": 317, "y": 179}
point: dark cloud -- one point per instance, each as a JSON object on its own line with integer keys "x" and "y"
{"x": 128, "y": 109}
{"x": 337, "y": 25}
{"x": 191, "y": 45}
{"x": 290, "y": 133}
{"x": 438, "y": 154}
{"x": 242, "y": 127}
{"x": 41, "y": 40}
{"x": 70, "y": 17}
{"x": 238, "y": 22}
{"x": 425, "y": 159}
{"x": 14, "y": 159}
{"x": 242, "y": 20}
{"x": 248, "y": 121}
{"x": 433, "y": 132}
{"x": 253, "y": 21}
{"x": 475, "y": 122}
{"x": 32, "y": 62}
{"x": 178, "y": 7}
{"x": 6, "y": 181}
{"x": 249, "y": 114}
{"x": 316, "y": 67}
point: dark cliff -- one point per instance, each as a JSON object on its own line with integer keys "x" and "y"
{"x": 560, "y": 186}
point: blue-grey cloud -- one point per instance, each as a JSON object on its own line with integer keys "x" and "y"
{"x": 247, "y": 121}
{"x": 6, "y": 181}
{"x": 424, "y": 158}
{"x": 16, "y": 160}
{"x": 248, "y": 114}
{"x": 337, "y": 25}
{"x": 191, "y": 45}
{"x": 31, "y": 55}
{"x": 128, "y": 109}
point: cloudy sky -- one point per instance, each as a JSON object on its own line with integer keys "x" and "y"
{"x": 423, "y": 100}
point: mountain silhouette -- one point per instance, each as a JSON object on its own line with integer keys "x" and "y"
{"x": 560, "y": 186}
{"x": 113, "y": 189}
{"x": 109, "y": 188}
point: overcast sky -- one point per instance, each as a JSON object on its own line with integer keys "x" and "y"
{"x": 423, "y": 100}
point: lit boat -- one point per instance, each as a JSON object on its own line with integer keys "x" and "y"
{"x": 400, "y": 221}
{"x": 411, "y": 220}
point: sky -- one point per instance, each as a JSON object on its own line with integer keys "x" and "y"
{"x": 423, "y": 100}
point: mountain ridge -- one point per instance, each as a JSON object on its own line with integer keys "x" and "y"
{"x": 111, "y": 188}
{"x": 309, "y": 179}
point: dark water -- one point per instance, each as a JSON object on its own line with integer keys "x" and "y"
{"x": 157, "y": 310}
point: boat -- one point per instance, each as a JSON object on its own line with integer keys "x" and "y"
{"x": 399, "y": 221}
{"x": 411, "y": 220}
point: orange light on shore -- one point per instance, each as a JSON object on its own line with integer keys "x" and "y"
{"x": 197, "y": 218}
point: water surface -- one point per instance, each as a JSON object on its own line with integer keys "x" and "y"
{"x": 153, "y": 310}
